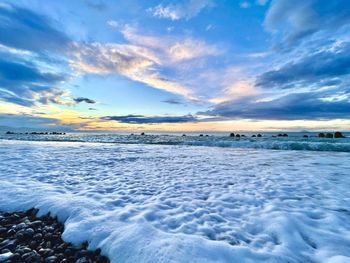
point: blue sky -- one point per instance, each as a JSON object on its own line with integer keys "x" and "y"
{"x": 190, "y": 65}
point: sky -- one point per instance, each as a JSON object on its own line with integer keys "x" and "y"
{"x": 185, "y": 65}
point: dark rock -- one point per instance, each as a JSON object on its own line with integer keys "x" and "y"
{"x": 3, "y": 230}
{"x": 5, "y": 256}
{"x": 142, "y": 133}
{"x": 45, "y": 252}
{"x": 22, "y": 234}
{"x": 51, "y": 259}
{"x": 259, "y": 135}
{"x": 253, "y": 135}
{"x": 83, "y": 260}
{"x": 31, "y": 257}
{"x": 38, "y": 236}
{"x": 36, "y": 223}
{"x": 232, "y": 134}
{"x": 20, "y": 226}
{"x": 11, "y": 232}
{"x": 338, "y": 135}
{"x": 33, "y": 244}
{"x": 8, "y": 243}
{"x": 101, "y": 259}
{"x": 238, "y": 136}
{"x": 321, "y": 135}
{"x": 201, "y": 135}
{"x": 306, "y": 136}
{"x": 16, "y": 257}
{"x": 329, "y": 135}
{"x": 285, "y": 135}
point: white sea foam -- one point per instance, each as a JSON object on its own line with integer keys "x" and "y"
{"x": 158, "y": 203}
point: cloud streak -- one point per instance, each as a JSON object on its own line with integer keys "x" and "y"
{"x": 296, "y": 106}
{"x": 180, "y": 10}
{"x": 141, "y": 119}
{"x": 85, "y": 100}
{"x": 23, "y": 29}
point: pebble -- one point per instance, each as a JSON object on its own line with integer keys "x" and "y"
{"x": 27, "y": 238}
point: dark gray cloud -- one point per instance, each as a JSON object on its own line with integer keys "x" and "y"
{"x": 297, "y": 106}
{"x": 25, "y": 123}
{"x": 297, "y": 19}
{"x": 140, "y": 119}
{"x": 86, "y": 100}
{"x": 98, "y": 5}
{"x": 23, "y": 78}
{"x": 20, "y": 80}
{"x": 23, "y": 29}
{"x": 172, "y": 101}
{"x": 323, "y": 65}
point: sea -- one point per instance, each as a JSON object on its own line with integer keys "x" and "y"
{"x": 174, "y": 198}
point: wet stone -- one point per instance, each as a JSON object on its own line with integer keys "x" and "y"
{"x": 24, "y": 237}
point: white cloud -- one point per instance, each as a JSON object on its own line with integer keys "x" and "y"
{"x": 172, "y": 49}
{"x": 134, "y": 62}
{"x": 183, "y": 10}
{"x": 244, "y": 4}
{"x": 113, "y": 23}
{"x": 262, "y": 2}
{"x": 190, "y": 49}
{"x": 239, "y": 89}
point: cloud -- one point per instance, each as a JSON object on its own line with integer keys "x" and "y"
{"x": 296, "y": 106}
{"x": 140, "y": 119}
{"x": 113, "y": 23}
{"x": 239, "y": 89}
{"x": 98, "y": 5}
{"x": 190, "y": 49}
{"x": 23, "y": 29}
{"x": 86, "y": 100}
{"x": 292, "y": 21}
{"x": 310, "y": 69}
{"x": 262, "y": 2}
{"x": 172, "y": 101}
{"x": 181, "y": 10}
{"x": 135, "y": 62}
{"x": 171, "y": 50}
{"x": 244, "y": 4}
{"x": 21, "y": 82}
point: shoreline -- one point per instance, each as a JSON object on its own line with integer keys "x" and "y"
{"x": 25, "y": 237}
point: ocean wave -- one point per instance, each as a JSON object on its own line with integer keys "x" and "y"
{"x": 268, "y": 142}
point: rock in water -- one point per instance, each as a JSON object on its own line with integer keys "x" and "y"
{"x": 338, "y": 135}
{"x": 329, "y": 135}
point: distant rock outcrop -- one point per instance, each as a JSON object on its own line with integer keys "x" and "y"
{"x": 338, "y": 135}
{"x": 329, "y": 135}
{"x": 232, "y": 134}
{"x": 321, "y": 135}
